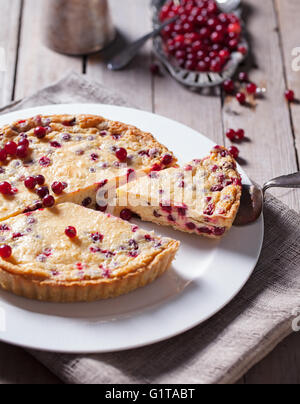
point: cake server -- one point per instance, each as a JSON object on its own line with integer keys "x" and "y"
{"x": 253, "y": 196}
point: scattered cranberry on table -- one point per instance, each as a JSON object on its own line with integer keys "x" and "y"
{"x": 241, "y": 97}
{"x": 202, "y": 38}
{"x": 251, "y": 88}
{"x": 234, "y": 151}
{"x": 229, "y": 86}
{"x": 290, "y": 95}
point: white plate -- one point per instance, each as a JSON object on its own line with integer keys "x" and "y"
{"x": 205, "y": 277}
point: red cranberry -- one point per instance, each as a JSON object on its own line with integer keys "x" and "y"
{"x": 191, "y": 226}
{"x": 5, "y": 251}
{"x": 44, "y": 161}
{"x": 155, "y": 69}
{"x": 22, "y": 151}
{"x": 40, "y": 179}
{"x": 55, "y": 144}
{"x": 40, "y": 132}
{"x": 3, "y": 155}
{"x": 23, "y": 142}
{"x": 233, "y": 43}
{"x": 224, "y": 54}
{"x": 71, "y": 232}
{"x": 219, "y": 231}
{"x": 126, "y": 214}
{"x": 167, "y": 159}
{"x": 203, "y": 66}
{"x": 101, "y": 208}
{"x": 11, "y": 148}
{"x": 235, "y": 27}
{"x": 240, "y": 134}
{"x": 241, "y": 97}
{"x": 230, "y": 134}
{"x": 251, "y": 88}
{"x": 42, "y": 192}
{"x": 228, "y": 86}
{"x": 57, "y": 187}
{"x": 97, "y": 237}
{"x": 243, "y": 77}
{"x": 242, "y": 49}
{"x": 5, "y": 188}
{"x": 217, "y": 37}
{"x": 290, "y": 95}
{"x": 121, "y": 154}
{"x": 216, "y": 66}
{"x": 234, "y": 151}
{"x": 30, "y": 182}
{"x": 48, "y": 201}
{"x": 86, "y": 202}
{"x": 94, "y": 157}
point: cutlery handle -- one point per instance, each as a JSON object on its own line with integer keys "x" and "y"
{"x": 285, "y": 181}
{"x": 122, "y": 59}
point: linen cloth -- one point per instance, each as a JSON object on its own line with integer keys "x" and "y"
{"x": 226, "y": 346}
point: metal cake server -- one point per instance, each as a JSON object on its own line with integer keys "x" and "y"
{"x": 252, "y": 201}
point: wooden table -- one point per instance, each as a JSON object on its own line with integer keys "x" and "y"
{"x": 273, "y": 127}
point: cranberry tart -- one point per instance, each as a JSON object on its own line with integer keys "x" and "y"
{"x": 54, "y": 159}
{"x": 203, "y": 197}
{"x": 69, "y": 253}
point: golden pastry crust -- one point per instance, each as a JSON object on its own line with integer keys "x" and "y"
{"x": 108, "y": 258}
{"x": 202, "y": 198}
{"x": 79, "y": 151}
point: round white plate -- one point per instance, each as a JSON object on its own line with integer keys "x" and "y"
{"x": 205, "y": 277}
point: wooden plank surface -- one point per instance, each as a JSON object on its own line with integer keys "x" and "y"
{"x": 38, "y": 66}
{"x": 133, "y": 20}
{"x": 9, "y": 30}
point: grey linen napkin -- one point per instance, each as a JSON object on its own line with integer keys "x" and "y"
{"x": 228, "y": 345}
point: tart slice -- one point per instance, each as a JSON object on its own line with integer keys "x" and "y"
{"x": 62, "y": 158}
{"x": 69, "y": 253}
{"x": 203, "y": 197}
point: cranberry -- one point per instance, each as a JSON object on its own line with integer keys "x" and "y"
{"x": 219, "y": 231}
{"x": 5, "y": 251}
{"x": 5, "y": 188}
{"x": 97, "y": 237}
{"x": 290, "y": 95}
{"x": 241, "y": 97}
{"x": 224, "y": 54}
{"x": 94, "y": 157}
{"x": 243, "y": 49}
{"x": 30, "y": 182}
{"x": 235, "y": 27}
{"x": 86, "y": 202}
{"x": 44, "y": 161}
{"x": 167, "y": 159}
{"x": 230, "y": 134}
{"x": 216, "y": 66}
{"x": 191, "y": 226}
{"x": 71, "y": 232}
{"x": 66, "y": 137}
{"x": 234, "y": 151}
{"x": 57, "y": 187}
{"x": 217, "y": 37}
{"x": 217, "y": 188}
{"x": 22, "y": 151}
{"x": 209, "y": 210}
{"x": 243, "y": 77}
{"x": 156, "y": 214}
{"x": 102, "y": 184}
{"x": 3, "y": 155}
{"x": 228, "y": 86}
{"x": 101, "y": 208}
{"x": 121, "y": 154}
{"x": 40, "y": 132}
{"x": 42, "y": 191}
{"x": 240, "y": 134}
{"x": 48, "y": 201}
{"x": 23, "y": 142}
{"x": 251, "y": 88}
{"x": 40, "y": 179}
{"x": 126, "y": 214}
{"x": 155, "y": 69}
{"x": 11, "y": 148}
{"x": 55, "y": 144}
{"x": 203, "y": 66}
{"x": 70, "y": 122}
